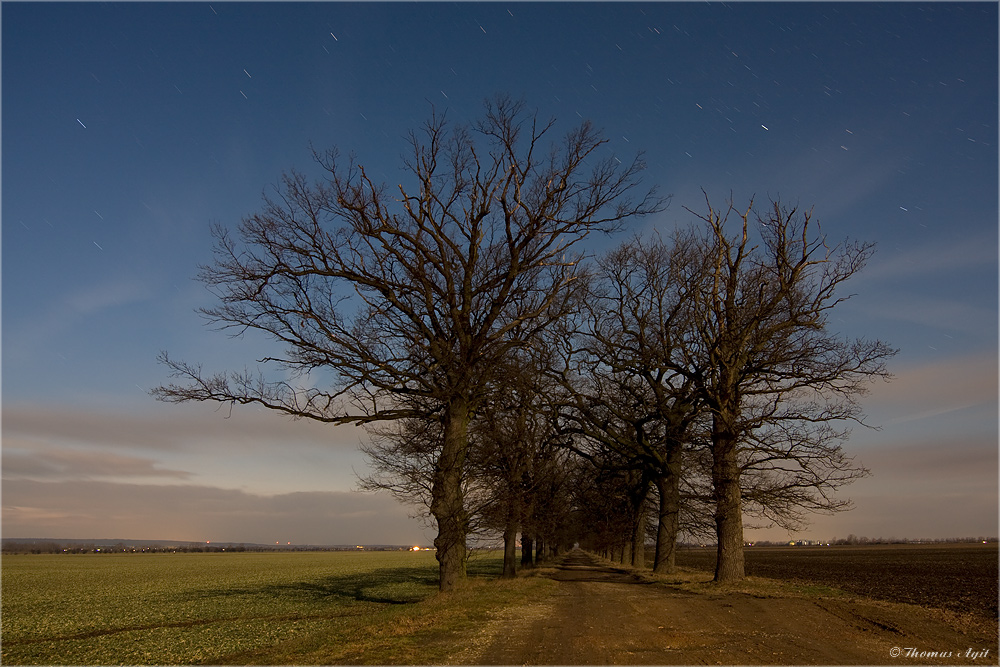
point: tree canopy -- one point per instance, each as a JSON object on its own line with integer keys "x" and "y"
{"x": 525, "y": 387}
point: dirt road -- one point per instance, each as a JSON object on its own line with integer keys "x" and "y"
{"x": 599, "y": 614}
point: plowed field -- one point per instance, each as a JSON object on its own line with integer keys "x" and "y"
{"x": 957, "y": 577}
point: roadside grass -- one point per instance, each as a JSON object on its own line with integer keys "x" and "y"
{"x": 428, "y": 632}
{"x": 278, "y": 608}
{"x": 699, "y": 581}
{"x": 760, "y": 587}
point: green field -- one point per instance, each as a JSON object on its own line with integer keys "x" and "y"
{"x": 316, "y": 607}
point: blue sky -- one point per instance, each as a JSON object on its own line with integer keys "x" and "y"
{"x": 128, "y": 129}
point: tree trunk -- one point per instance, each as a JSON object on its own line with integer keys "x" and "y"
{"x": 639, "y": 538}
{"x": 728, "y": 503}
{"x": 668, "y": 524}
{"x": 634, "y": 550}
{"x": 447, "y": 502}
{"x": 510, "y": 551}
{"x": 527, "y": 543}
{"x": 513, "y": 524}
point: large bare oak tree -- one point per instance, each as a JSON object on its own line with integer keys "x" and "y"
{"x": 405, "y": 299}
{"x": 778, "y": 384}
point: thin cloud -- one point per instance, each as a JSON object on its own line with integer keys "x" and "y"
{"x": 923, "y": 390}
{"x": 914, "y": 490}
{"x": 111, "y": 294}
{"x": 935, "y": 465}
{"x": 169, "y": 428}
{"x": 940, "y": 314}
{"x": 31, "y": 334}
{"x": 63, "y": 464}
{"x": 259, "y": 451}
{"x": 961, "y": 255}
{"x": 199, "y": 513}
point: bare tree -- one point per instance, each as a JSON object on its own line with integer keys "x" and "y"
{"x": 638, "y": 333}
{"x": 624, "y": 382}
{"x": 604, "y": 514}
{"x": 512, "y": 454}
{"x": 607, "y": 430}
{"x": 599, "y": 423}
{"x": 402, "y": 455}
{"x": 416, "y": 297}
{"x": 550, "y": 520}
{"x": 776, "y": 382}
{"x": 511, "y": 480}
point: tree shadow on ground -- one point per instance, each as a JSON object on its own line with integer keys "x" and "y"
{"x": 607, "y": 575}
{"x": 581, "y": 566}
{"x": 400, "y": 585}
{"x": 485, "y": 567}
{"x": 393, "y": 586}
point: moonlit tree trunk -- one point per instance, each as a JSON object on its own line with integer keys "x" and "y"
{"x": 668, "y": 488}
{"x": 447, "y": 504}
{"x": 729, "y": 564}
{"x": 510, "y": 551}
{"x": 638, "y": 492}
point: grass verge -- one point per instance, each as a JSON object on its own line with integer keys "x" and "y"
{"x": 427, "y": 632}
{"x": 699, "y": 581}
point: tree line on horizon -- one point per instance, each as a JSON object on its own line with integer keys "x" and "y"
{"x": 53, "y": 546}
{"x": 514, "y": 386}
{"x": 86, "y": 547}
{"x": 21, "y": 546}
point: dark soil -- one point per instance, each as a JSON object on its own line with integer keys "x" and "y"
{"x": 958, "y": 577}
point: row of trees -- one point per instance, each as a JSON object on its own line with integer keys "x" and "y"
{"x": 512, "y": 386}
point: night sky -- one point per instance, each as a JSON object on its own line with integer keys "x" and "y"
{"x": 128, "y": 129}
